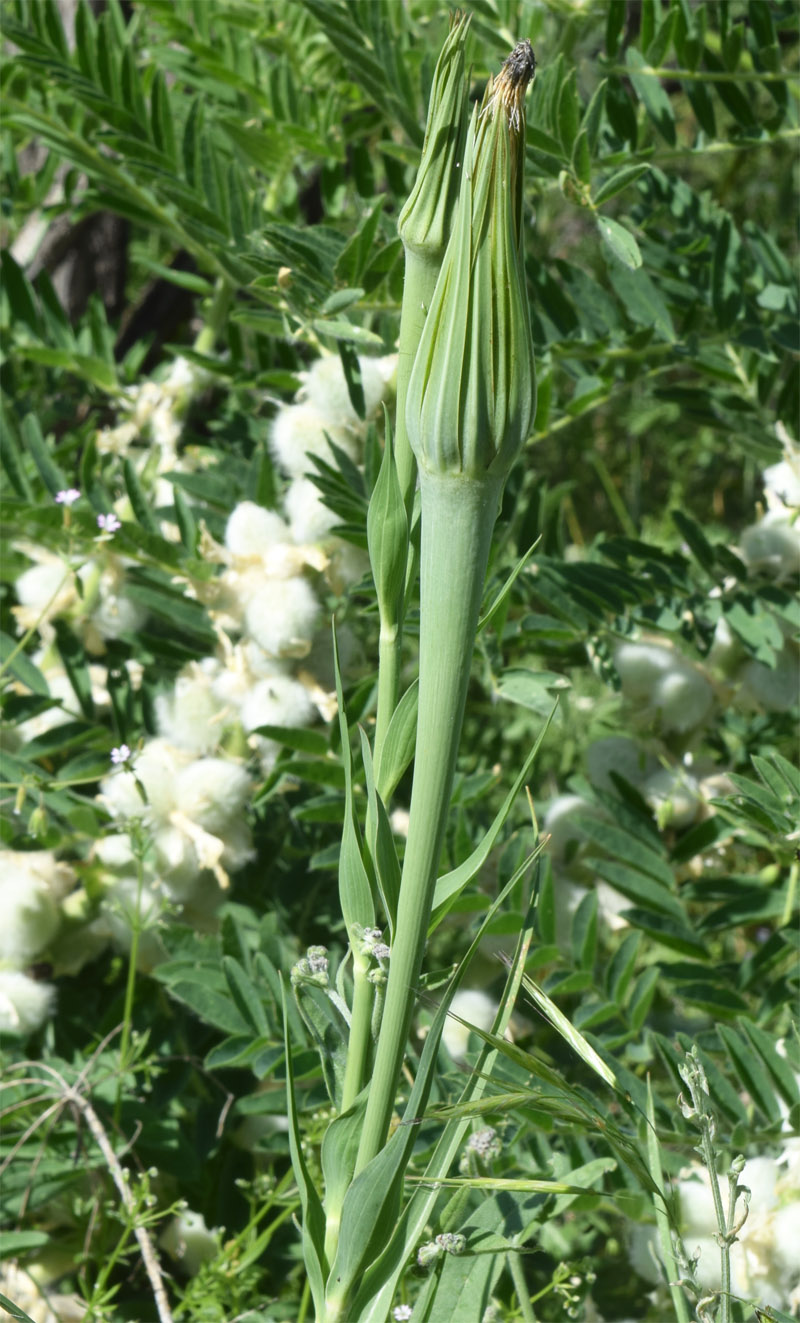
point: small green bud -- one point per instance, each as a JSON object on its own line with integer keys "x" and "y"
{"x": 472, "y": 394}
{"x": 387, "y": 534}
{"x": 426, "y": 220}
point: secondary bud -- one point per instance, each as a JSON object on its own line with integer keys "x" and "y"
{"x": 426, "y": 219}
{"x": 472, "y": 394}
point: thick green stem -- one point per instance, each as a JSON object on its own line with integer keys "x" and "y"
{"x": 458, "y": 515}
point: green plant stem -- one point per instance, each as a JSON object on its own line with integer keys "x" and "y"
{"x": 388, "y": 681}
{"x": 360, "y": 1037}
{"x": 218, "y": 312}
{"x": 722, "y": 1221}
{"x": 130, "y": 987}
{"x": 520, "y": 1288}
{"x": 662, "y": 1217}
{"x": 458, "y": 516}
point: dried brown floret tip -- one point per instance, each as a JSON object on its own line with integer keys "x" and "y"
{"x": 509, "y": 87}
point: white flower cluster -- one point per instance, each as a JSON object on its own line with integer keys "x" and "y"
{"x": 178, "y": 802}
{"x": 90, "y": 594}
{"x": 32, "y": 888}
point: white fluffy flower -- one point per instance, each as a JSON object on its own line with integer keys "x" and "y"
{"x": 213, "y": 793}
{"x": 251, "y": 531}
{"x": 189, "y": 1241}
{"x": 559, "y": 823}
{"x": 782, "y": 480}
{"x": 25, "y": 1004}
{"x": 278, "y": 700}
{"x": 300, "y": 431}
{"x": 194, "y": 809}
{"x": 657, "y": 676}
{"x": 101, "y": 609}
{"x": 31, "y": 889}
{"x": 325, "y": 387}
{"x": 673, "y": 795}
{"x": 192, "y": 715}
{"x": 45, "y": 590}
{"x": 772, "y": 546}
{"x": 281, "y": 616}
{"x": 310, "y": 519}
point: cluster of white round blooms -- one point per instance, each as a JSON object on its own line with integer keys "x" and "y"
{"x": 323, "y": 413}
{"x": 90, "y": 595}
{"x": 764, "y": 1262}
{"x": 264, "y": 591}
{"x": 191, "y": 808}
{"x": 664, "y": 685}
{"x": 32, "y": 887}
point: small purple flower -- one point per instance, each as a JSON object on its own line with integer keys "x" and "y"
{"x": 67, "y": 497}
{"x": 108, "y": 523}
{"x": 120, "y": 755}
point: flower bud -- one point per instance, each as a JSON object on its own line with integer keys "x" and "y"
{"x": 426, "y": 219}
{"x": 472, "y": 394}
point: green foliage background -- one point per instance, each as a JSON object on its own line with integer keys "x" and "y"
{"x": 240, "y": 140}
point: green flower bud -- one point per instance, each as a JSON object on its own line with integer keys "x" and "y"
{"x": 472, "y": 394}
{"x": 426, "y": 219}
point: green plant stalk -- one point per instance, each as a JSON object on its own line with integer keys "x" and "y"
{"x": 217, "y": 313}
{"x": 458, "y": 514}
{"x": 358, "y": 1043}
{"x": 130, "y": 986}
{"x": 662, "y": 1217}
{"x": 520, "y": 1287}
{"x": 389, "y": 665}
{"x": 709, "y": 1158}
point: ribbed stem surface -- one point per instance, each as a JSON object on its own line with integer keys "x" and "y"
{"x": 458, "y": 517}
